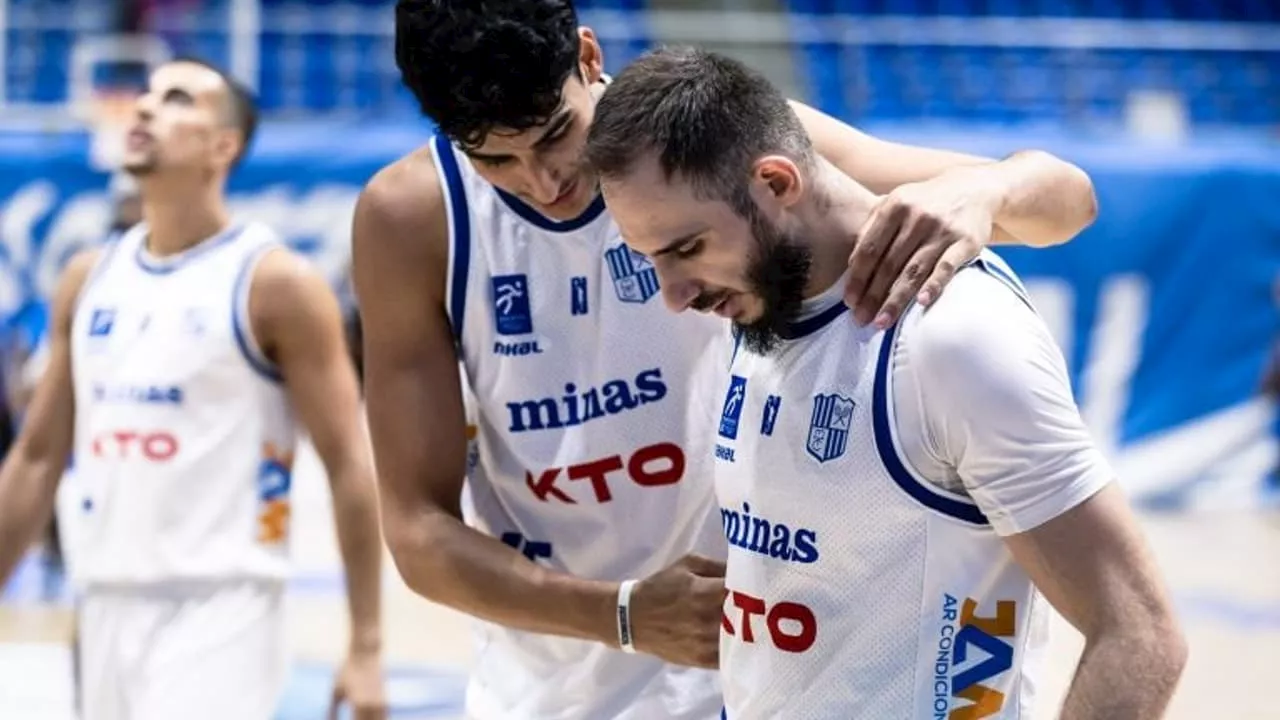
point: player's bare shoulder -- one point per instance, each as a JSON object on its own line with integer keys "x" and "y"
{"x": 401, "y": 216}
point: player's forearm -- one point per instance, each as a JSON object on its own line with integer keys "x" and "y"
{"x": 27, "y": 488}
{"x": 1126, "y": 675}
{"x": 355, "y": 510}
{"x": 1035, "y": 198}
{"x": 448, "y": 562}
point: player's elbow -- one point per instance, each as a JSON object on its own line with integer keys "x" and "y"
{"x": 1078, "y": 186}
{"x": 417, "y": 538}
{"x": 1154, "y": 639}
{"x": 1074, "y": 199}
{"x": 1164, "y": 643}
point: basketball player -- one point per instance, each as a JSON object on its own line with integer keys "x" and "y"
{"x": 895, "y": 501}
{"x": 491, "y": 246}
{"x": 180, "y": 357}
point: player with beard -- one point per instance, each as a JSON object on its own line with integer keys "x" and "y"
{"x": 899, "y": 503}
{"x": 182, "y": 358}
{"x": 583, "y": 553}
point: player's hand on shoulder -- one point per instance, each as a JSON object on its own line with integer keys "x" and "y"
{"x": 675, "y": 613}
{"x": 916, "y": 238}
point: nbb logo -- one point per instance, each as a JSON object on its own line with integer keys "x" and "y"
{"x": 650, "y": 466}
{"x": 135, "y": 445}
{"x": 983, "y": 645}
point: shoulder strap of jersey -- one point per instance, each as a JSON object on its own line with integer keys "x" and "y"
{"x": 459, "y": 217}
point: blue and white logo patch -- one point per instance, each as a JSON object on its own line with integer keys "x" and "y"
{"x": 733, "y": 401}
{"x": 829, "y": 427}
{"x": 101, "y": 322}
{"x": 578, "y": 295}
{"x": 634, "y": 277}
{"x": 511, "y": 304}
{"x": 771, "y": 406}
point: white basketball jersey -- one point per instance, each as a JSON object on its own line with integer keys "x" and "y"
{"x": 184, "y": 438}
{"x": 855, "y": 589}
{"x": 586, "y": 459}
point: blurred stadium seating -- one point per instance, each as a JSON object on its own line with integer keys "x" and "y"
{"x": 1071, "y": 62}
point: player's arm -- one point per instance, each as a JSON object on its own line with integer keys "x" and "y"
{"x": 417, "y": 420}
{"x": 31, "y": 471}
{"x": 1001, "y": 412}
{"x": 941, "y": 207}
{"x": 297, "y": 321}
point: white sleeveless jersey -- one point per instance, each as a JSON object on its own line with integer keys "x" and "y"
{"x": 184, "y": 438}
{"x": 585, "y": 457}
{"x": 855, "y": 589}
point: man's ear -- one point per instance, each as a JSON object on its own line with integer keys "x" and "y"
{"x": 590, "y": 56}
{"x": 226, "y": 145}
{"x": 776, "y": 181}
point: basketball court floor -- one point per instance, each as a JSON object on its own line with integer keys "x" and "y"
{"x": 1224, "y": 568}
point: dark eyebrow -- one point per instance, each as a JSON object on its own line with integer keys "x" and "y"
{"x": 675, "y": 244}
{"x": 554, "y": 126}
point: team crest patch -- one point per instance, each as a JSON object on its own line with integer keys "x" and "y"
{"x": 829, "y": 427}
{"x": 634, "y": 277}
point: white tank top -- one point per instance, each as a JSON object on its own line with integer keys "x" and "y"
{"x": 855, "y": 588}
{"x": 184, "y": 438}
{"x": 587, "y": 458}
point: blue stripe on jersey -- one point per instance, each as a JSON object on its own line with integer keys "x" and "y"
{"x": 813, "y": 324}
{"x": 530, "y": 215}
{"x": 240, "y": 317}
{"x": 163, "y": 266}
{"x": 460, "y": 233}
{"x": 737, "y": 342}
{"x": 1002, "y": 274}
{"x": 724, "y": 713}
{"x": 922, "y": 492}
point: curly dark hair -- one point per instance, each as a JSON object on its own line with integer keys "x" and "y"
{"x": 476, "y": 65}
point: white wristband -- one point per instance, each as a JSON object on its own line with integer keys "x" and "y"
{"x": 625, "y": 638}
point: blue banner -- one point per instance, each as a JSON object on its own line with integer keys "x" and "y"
{"x": 1164, "y": 308}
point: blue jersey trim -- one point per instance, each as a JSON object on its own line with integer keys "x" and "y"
{"x": 1004, "y": 275}
{"x": 921, "y": 492}
{"x": 813, "y": 324}
{"x": 164, "y": 266}
{"x": 459, "y": 233}
{"x": 528, "y": 214}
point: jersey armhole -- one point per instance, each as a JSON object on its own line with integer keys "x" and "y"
{"x": 459, "y": 221}
{"x": 889, "y": 449}
{"x": 241, "y": 323}
{"x": 884, "y": 421}
{"x": 100, "y": 264}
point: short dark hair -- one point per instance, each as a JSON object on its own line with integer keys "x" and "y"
{"x": 707, "y": 116}
{"x": 242, "y": 107}
{"x": 477, "y": 65}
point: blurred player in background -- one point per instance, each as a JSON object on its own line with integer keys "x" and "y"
{"x": 593, "y": 470}
{"x": 924, "y": 484}
{"x": 180, "y": 357}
